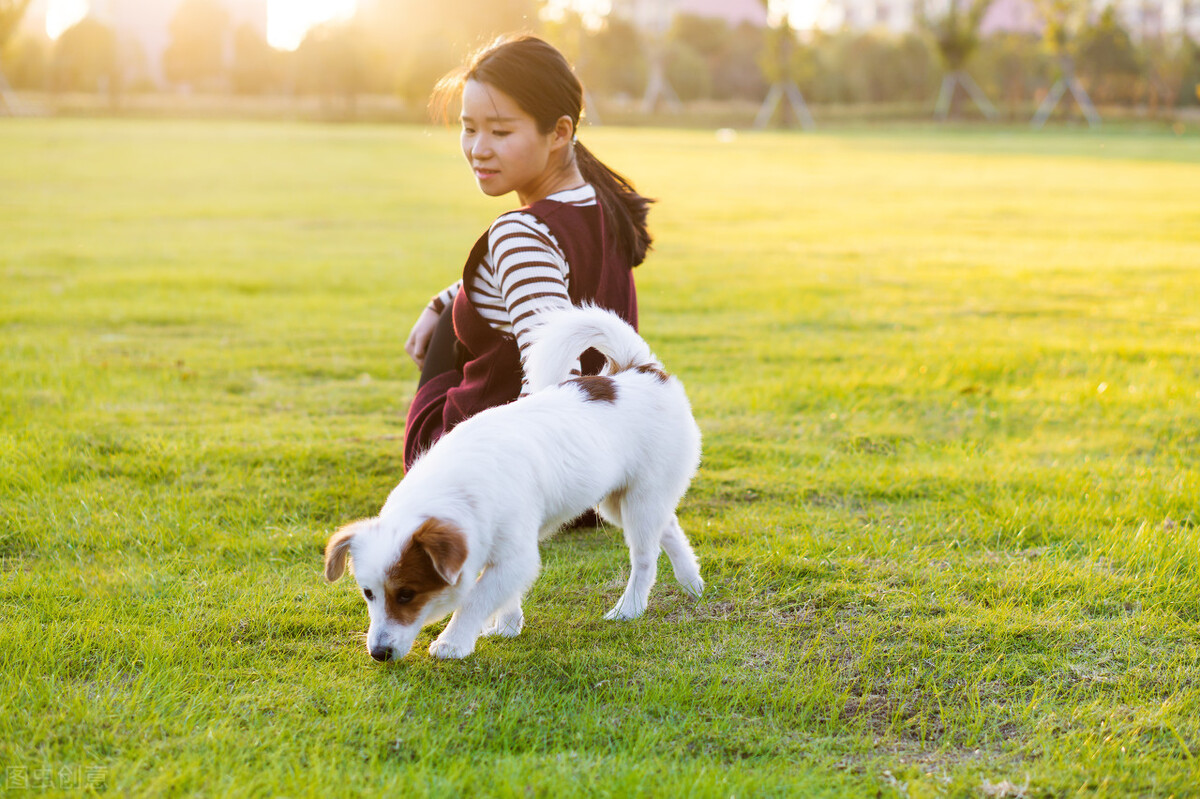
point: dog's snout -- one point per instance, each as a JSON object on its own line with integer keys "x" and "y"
{"x": 382, "y": 653}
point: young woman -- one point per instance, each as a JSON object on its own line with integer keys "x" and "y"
{"x": 579, "y": 231}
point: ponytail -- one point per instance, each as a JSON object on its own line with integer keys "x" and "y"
{"x": 624, "y": 209}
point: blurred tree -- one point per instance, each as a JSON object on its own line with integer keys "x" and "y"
{"x": 85, "y": 58}
{"x": 783, "y": 62}
{"x": 1063, "y": 20}
{"x": 573, "y": 34}
{"x": 659, "y": 90}
{"x": 1189, "y": 83}
{"x": 866, "y": 67}
{"x": 1013, "y": 66}
{"x": 415, "y": 42}
{"x": 736, "y": 73}
{"x": 196, "y": 54}
{"x": 728, "y": 57}
{"x": 568, "y": 32}
{"x": 11, "y": 12}
{"x": 330, "y": 62}
{"x": 956, "y": 34}
{"x": 1107, "y": 59}
{"x": 257, "y": 67}
{"x": 617, "y": 59}
{"x": 1166, "y": 63}
{"x": 687, "y": 72}
{"x": 133, "y": 66}
{"x": 27, "y": 63}
{"x": 708, "y": 37}
{"x": 692, "y": 44}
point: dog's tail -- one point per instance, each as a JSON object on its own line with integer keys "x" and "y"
{"x": 566, "y": 333}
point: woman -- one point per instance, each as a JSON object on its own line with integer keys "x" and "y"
{"x": 579, "y": 231}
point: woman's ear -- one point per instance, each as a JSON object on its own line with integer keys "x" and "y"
{"x": 564, "y": 131}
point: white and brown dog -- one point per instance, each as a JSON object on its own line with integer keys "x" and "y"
{"x": 460, "y": 533}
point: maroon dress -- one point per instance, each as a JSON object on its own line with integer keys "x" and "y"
{"x": 491, "y": 374}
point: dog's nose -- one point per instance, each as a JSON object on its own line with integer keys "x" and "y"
{"x": 381, "y": 653}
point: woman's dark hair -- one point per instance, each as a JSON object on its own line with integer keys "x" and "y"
{"x": 538, "y": 77}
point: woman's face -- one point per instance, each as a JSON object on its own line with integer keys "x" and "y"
{"x": 503, "y": 146}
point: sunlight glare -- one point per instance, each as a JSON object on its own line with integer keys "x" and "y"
{"x": 289, "y": 20}
{"x": 802, "y": 14}
{"x": 62, "y": 14}
{"x": 591, "y": 12}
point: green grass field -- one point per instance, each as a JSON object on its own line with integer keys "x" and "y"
{"x": 949, "y": 382}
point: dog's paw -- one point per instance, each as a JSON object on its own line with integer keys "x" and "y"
{"x": 447, "y": 650}
{"x": 693, "y": 586}
{"x": 505, "y": 626}
{"x": 624, "y": 611}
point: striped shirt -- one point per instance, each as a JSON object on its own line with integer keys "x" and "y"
{"x": 523, "y": 272}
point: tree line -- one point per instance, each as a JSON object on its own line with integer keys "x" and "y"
{"x": 401, "y": 47}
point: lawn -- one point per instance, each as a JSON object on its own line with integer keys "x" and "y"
{"x": 949, "y": 381}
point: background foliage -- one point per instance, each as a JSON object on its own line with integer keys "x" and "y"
{"x": 401, "y": 48}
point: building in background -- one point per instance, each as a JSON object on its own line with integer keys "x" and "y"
{"x": 1011, "y": 16}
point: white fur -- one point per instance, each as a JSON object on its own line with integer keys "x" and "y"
{"x": 566, "y": 332}
{"x": 515, "y": 474}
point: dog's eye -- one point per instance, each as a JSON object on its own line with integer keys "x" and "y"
{"x": 404, "y": 595}
{"x": 369, "y": 594}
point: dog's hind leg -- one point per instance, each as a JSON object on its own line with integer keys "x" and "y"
{"x": 643, "y": 532}
{"x": 610, "y": 508}
{"x": 508, "y": 621}
{"x": 683, "y": 559}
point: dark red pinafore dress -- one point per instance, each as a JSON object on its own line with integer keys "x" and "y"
{"x": 491, "y": 374}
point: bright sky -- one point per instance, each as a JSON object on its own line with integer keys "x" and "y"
{"x": 287, "y": 20}
{"x": 802, "y": 14}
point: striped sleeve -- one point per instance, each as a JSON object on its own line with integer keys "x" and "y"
{"x": 445, "y": 297}
{"x": 531, "y": 273}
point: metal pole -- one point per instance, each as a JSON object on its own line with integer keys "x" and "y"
{"x": 977, "y": 95}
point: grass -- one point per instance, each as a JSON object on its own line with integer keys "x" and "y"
{"x": 950, "y": 387}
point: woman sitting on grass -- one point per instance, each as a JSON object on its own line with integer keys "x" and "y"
{"x": 580, "y": 230}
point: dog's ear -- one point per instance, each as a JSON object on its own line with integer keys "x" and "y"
{"x": 339, "y": 547}
{"x": 446, "y": 546}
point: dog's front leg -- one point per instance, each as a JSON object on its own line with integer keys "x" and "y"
{"x": 508, "y": 621}
{"x": 493, "y": 592}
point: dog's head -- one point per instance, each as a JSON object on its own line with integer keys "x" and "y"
{"x": 408, "y": 576}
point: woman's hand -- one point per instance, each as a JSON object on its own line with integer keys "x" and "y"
{"x": 418, "y": 340}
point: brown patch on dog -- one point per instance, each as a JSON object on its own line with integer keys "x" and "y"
{"x": 651, "y": 369}
{"x": 598, "y": 388}
{"x": 432, "y": 561}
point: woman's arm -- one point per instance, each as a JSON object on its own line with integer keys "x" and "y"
{"x": 445, "y": 298}
{"x": 418, "y": 338}
{"x": 532, "y": 275}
